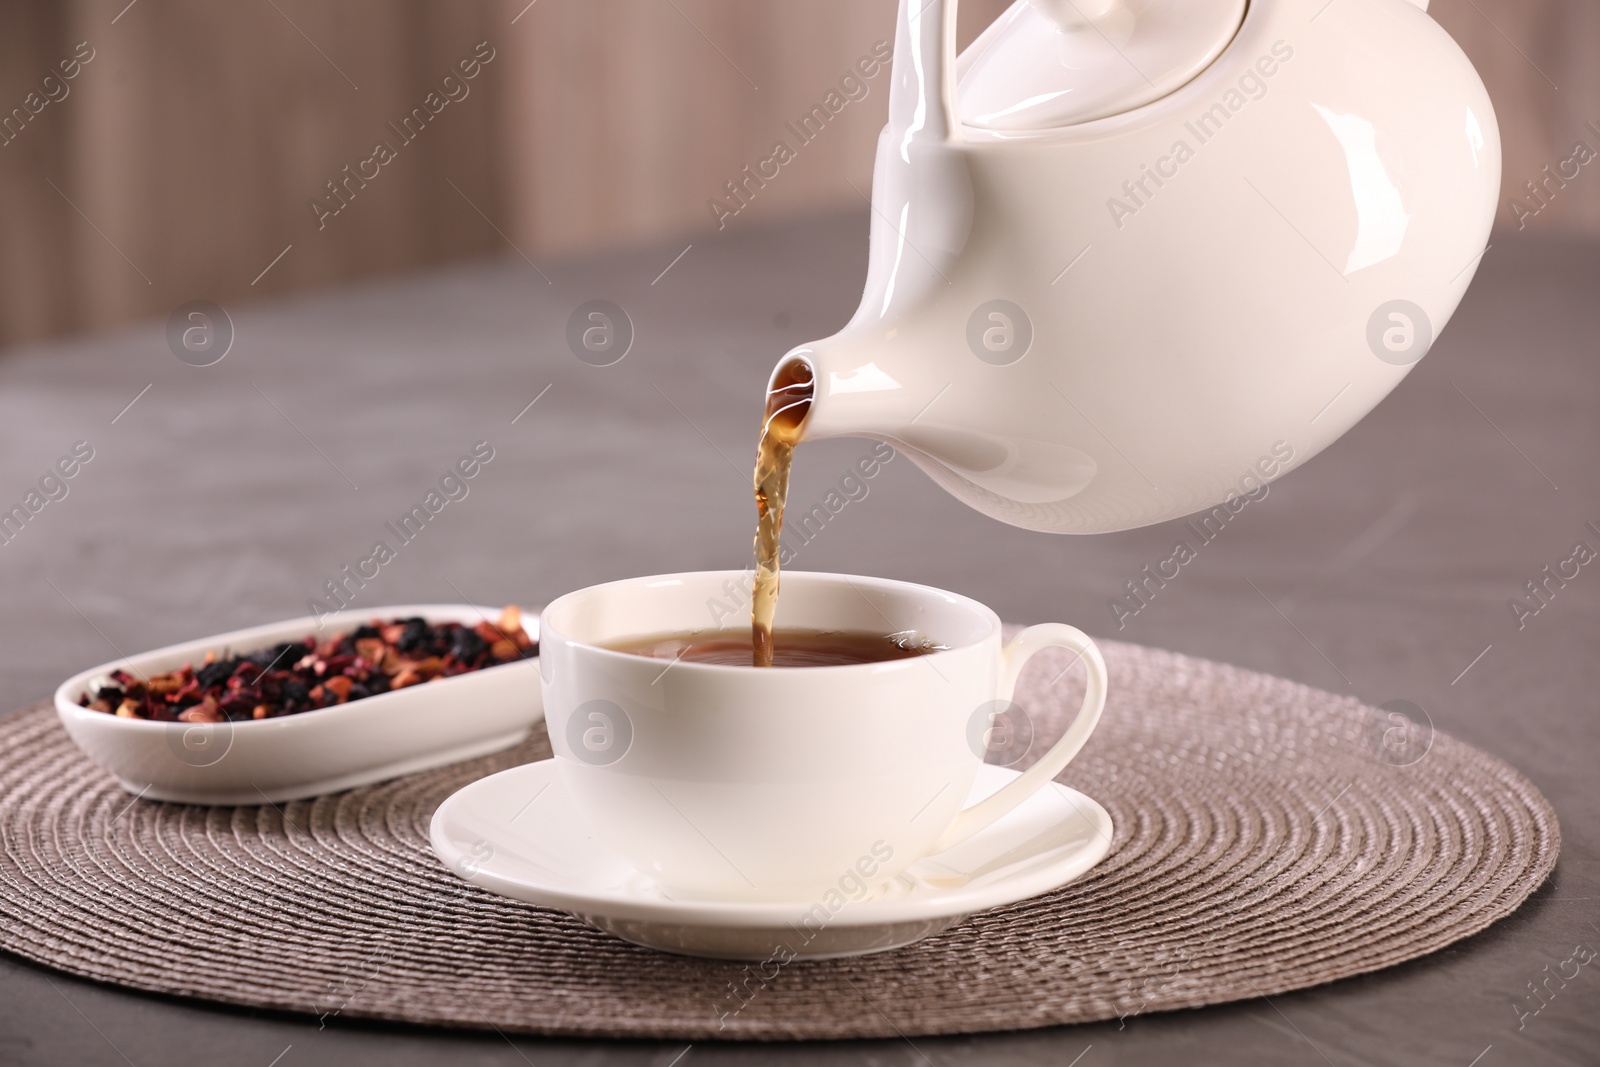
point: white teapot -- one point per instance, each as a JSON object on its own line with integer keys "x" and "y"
{"x": 1131, "y": 260}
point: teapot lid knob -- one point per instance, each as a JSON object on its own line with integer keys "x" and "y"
{"x": 1045, "y": 64}
{"x": 1082, "y": 14}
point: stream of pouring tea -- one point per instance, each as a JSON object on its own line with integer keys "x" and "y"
{"x": 788, "y": 401}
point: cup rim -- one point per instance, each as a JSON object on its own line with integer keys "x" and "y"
{"x": 547, "y": 629}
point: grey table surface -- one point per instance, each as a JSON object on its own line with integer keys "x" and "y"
{"x": 226, "y": 496}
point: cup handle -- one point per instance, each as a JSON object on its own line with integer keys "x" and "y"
{"x": 1013, "y": 658}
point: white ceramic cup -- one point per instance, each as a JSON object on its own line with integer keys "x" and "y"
{"x": 744, "y": 783}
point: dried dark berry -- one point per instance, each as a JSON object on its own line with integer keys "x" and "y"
{"x": 467, "y": 647}
{"x": 415, "y": 632}
{"x": 213, "y": 674}
{"x": 276, "y": 656}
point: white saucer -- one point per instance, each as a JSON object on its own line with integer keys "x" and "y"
{"x": 517, "y": 833}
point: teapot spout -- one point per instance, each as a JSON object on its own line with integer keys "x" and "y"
{"x": 849, "y": 385}
{"x": 832, "y": 393}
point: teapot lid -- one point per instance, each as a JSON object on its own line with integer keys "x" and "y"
{"x": 1051, "y": 63}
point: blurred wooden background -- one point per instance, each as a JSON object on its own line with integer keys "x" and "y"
{"x": 181, "y": 162}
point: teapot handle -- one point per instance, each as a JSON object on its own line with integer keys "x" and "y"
{"x": 947, "y": 70}
{"x": 923, "y": 103}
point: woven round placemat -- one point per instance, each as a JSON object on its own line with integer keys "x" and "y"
{"x": 1268, "y": 837}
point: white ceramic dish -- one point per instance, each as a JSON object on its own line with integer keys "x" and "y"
{"x": 518, "y": 833}
{"x": 313, "y": 752}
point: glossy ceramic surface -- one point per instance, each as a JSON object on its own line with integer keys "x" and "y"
{"x": 1049, "y": 63}
{"x": 743, "y": 783}
{"x": 520, "y": 833}
{"x": 1121, "y": 321}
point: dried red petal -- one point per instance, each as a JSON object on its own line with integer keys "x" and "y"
{"x": 205, "y": 711}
